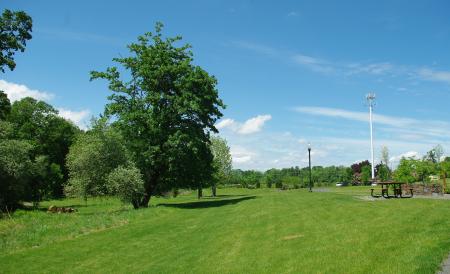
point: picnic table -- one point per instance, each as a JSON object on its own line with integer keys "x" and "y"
{"x": 397, "y": 190}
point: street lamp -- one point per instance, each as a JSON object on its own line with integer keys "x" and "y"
{"x": 310, "y": 177}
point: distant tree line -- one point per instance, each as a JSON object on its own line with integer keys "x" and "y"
{"x": 409, "y": 170}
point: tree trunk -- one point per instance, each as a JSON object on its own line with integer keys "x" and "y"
{"x": 135, "y": 204}
{"x": 147, "y": 195}
{"x": 213, "y": 190}
{"x": 145, "y": 200}
{"x": 200, "y": 192}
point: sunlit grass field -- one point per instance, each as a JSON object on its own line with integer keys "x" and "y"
{"x": 241, "y": 231}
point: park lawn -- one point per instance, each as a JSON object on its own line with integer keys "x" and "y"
{"x": 242, "y": 231}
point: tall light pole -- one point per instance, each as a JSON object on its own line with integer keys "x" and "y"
{"x": 371, "y": 102}
{"x": 310, "y": 177}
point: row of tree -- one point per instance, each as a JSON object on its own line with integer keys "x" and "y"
{"x": 409, "y": 170}
{"x": 34, "y": 142}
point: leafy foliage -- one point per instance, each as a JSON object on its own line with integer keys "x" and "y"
{"x": 127, "y": 184}
{"x": 222, "y": 162}
{"x": 383, "y": 172}
{"x": 165, "y": 109}
{"x": 366, "y": 174}
{"x": 5, "y": 105}
{"x": 15, "y": 30}
{"x": 435, "y": 154}
{"x": 15, "y": 166}
{"x": 385, "y": 155}
{"x": 91, "y": 158}
{"x": 50, "y": 135}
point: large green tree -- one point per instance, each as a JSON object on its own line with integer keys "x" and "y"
{"x": 165, "y": 107}
{"x": 222, "y": 162}
{"x": 15, "y": 30}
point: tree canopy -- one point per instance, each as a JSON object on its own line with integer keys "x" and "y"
{"x": 15, "y": 30}
{"x": 165, "y": 107}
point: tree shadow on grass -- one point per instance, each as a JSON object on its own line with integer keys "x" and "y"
{"x": 207, "y": 204}
{"x": 231, "y": 195}
{"x": 225, "y": 196}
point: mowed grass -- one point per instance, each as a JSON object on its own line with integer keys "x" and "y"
{"x": 242, "y": 231}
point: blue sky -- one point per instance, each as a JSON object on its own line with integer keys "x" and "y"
{"x": 290, "y": 73}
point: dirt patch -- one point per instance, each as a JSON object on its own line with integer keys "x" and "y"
{"x": 369, "y": 198}
{"x": 291, "y": 237}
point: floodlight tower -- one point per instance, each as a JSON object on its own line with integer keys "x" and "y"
{"x": 371, "y": 102}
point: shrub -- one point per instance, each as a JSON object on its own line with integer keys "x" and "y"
{"x": 269, "y": 184}
{"x": 278, "y": 184}
{"x": 127, "y": 184}
{"x": 92, "y": 157}
{"x": 175, "y": 192}
{"x": 258, "y": 185}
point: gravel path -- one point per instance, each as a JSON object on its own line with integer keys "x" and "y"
{"x": 445, "y": 266}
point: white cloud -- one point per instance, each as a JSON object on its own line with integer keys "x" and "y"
{"x": 77, "y": 117}
{"x": 16, "y": 92}
{"x": 225, "y": 123}
{"x": 250, "y": 126}
{"x": 409, "y": 154}
{"x": 241, "y": 155}
{"x": 254, "y": 124}
{"x": 292, "y": 14}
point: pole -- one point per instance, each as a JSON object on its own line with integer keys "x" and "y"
{"x": 444, "y": 184}
{"x": 310, "y": 177}
{"x": 370, "y": 98}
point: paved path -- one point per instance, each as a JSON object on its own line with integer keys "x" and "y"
{"x": 445, "y": 266}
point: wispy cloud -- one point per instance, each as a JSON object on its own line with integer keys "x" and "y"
{"x": 314, "y": 64}
{"x": 350, "y": 67}
{"x": 258, "y": 48}
{"x": 401, "y": 133}
{"x": 252, "y": 125}
{"x": 434, "y": 75}
{"x": 429, "y": 126}
{"x": 16, "y": 92}
{"x": 357, "y": 116}
{"x": 78, "y": 36}
{"x": 293, "y": 14}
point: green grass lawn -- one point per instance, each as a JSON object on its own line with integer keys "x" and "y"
{"x": 242, "y": 231}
